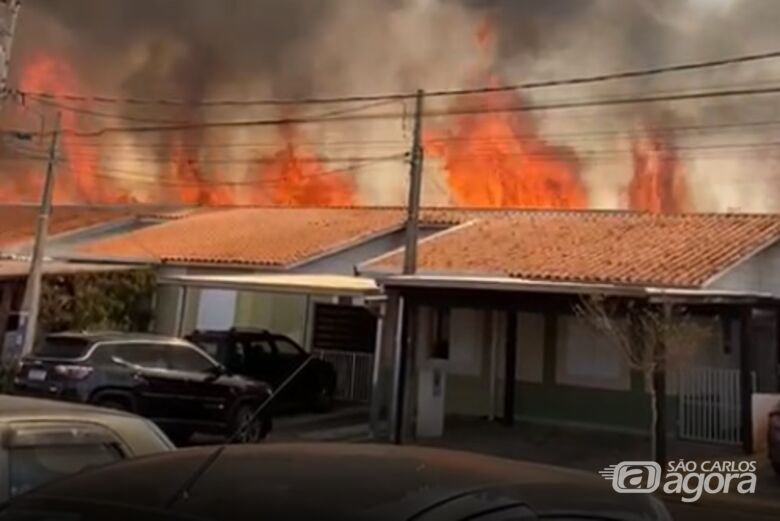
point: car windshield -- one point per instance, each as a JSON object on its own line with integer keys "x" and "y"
{"x": 62, "y": 347}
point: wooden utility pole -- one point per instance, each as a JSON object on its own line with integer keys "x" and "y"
{"x": 410, "y": 267}
{"x": 32, "y": 293}
{"x": 9, "y": 16}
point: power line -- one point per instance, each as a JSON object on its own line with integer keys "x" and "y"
{"x": 205, "y": 183}
{"x": 399, "y": 96}
{"x": 326, "y": 118}
{"x": 491, "y": 139}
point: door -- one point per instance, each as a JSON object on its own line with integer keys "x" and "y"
{"x": 156, "y": 390}
{"x": 259, "y": 359}
{"x": 289, "y": 356}
{"x": 204, "y": 396}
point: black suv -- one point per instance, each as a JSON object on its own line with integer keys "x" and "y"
{"x": 272, "y": 358}
{"x": 168, "y": 380}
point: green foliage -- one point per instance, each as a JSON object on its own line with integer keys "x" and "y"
{"x": 120, "y": 300}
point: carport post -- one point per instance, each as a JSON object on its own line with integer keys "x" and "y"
{"x": 401, "y": 369}
{"x": 746, "y": 378}
{"x": 509, "y": 367}
{"x": 182, "y": 310}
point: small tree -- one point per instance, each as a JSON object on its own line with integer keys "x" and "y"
{"x": 652, "y": 338}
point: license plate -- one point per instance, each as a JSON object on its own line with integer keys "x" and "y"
{"x": 36, "y": 374}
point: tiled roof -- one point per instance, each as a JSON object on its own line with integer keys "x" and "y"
{"x": 18, "y": 222}
{"x": 248, "y": 236}
{"x": 602, "y": 247}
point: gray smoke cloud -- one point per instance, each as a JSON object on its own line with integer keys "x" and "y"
{"x": 195, "y": 49}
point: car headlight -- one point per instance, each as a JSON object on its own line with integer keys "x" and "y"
{"x": 659, "y": 509}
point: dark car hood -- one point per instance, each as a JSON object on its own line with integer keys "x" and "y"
{"x": 358, "y": 481}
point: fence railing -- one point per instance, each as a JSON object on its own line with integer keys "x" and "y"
{"x": 710, "y": 405}
{"x": 353, "y": 373}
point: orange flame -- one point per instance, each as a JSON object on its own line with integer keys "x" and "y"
{"x": 294, "y": 177}
{"x": 497, "y": 160}
{"x": 658, "y": 183}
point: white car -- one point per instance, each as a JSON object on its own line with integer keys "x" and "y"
{"x": 41, "y": 440}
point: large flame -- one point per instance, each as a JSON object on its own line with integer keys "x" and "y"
{"x": 295, "y": 177}
{"x": 77, "y": 180}
{"x": 496, "y": 159}
{"x": 289, "y": 177}
{"x": 658, "y": 184}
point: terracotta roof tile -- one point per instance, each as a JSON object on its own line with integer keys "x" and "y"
{"x": 605, "y": 247}
{"x": 251, "y": 236}
{"x": 17, "y": 222}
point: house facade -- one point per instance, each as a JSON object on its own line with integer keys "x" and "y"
{"x": 501, "y": 294}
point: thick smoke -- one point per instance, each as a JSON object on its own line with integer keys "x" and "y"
{"x": 195, "y": 49}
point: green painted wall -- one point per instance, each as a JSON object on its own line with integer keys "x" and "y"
{"x": 621, "y": 410}
{"x": 278, "y": 312}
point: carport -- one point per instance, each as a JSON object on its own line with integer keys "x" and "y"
{"x": 341, "y": 317}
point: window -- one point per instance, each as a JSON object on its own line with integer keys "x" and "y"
{"x": 32, "y": 466}
{"x": 62, "y": 347}
{"x": 287, "y": 348}
{"x": 144, "y": 355}
{"x": 256, "y": 352}
{"x": 185, "y": 358}
{"x": 103, "y": 355}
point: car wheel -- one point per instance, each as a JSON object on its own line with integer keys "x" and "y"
{"x": 246, "y": 428}
{"x": 322, "y": 401}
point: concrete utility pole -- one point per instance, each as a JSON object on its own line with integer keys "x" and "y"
{"x": 32, "y": 293}
{"x": 10, "y": 13}
{"x": 415, "y": 188}
{"x": 410, "y": 267}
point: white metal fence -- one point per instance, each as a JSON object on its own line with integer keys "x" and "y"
{"x": 710, "y": 406}
{"x": 354, "y": 373}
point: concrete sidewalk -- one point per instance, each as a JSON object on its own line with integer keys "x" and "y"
{"x": 592, "y": 450}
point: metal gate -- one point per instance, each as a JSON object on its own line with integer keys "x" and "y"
{"x": 710, "y": 405}
{"x": 354, "y": 373}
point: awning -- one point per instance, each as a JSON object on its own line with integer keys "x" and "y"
{"x": 509, "y": 284}
{"x": 17, "y": 269}
{"x": 332, "y": 285}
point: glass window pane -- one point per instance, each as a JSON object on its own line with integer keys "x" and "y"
{"x": 62, "y": 347}
{"x": 187, "y": 359}
{"x": 102, "y": 355}
{"x": 287, "y": 348}
{"x": 144, "y": 355}
{"x": 30, "y": 467}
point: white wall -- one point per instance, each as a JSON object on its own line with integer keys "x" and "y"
{"x": 216, "y": 309}
{"x": 586, "y": 358}
{"x": 468, "y": 341}
{"x": 759, "y": 273}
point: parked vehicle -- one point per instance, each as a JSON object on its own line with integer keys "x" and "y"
{"x": 272, "y": 358}
{"x": 774, "y": 440}
{"x": 332, "y": 481}
{"x": 41, "y": 440}
{"x": 168, "y": 380}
